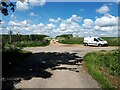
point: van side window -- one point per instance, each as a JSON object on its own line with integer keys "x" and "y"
{"x": 95, "y": 39}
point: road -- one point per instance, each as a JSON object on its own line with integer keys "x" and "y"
{"x": 62, "y": 67}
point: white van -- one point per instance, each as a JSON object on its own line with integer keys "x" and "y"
{"x": 94, "y": 41}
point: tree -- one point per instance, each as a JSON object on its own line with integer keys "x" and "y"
{"x": 4, "y": 7}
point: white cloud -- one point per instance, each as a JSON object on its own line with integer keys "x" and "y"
{"x": 33, "y": 14}
{"x": 88, "y": 23}
{"x": 13, "y": 16}
{"x": 75, "y": 18}
{"x": 54, "y": 20}
{"x": 24, "y": 23}
{"x": 106, "y": 23}
{"x": 107, "y": 28}
{"x": 22, "y": 6}
{"x": 103, "y": 10}
{"x": 107, "y": 20}
{"x": 37, "y": 2}
{"x": 50, "y": 26}
{"x": 2, "y": 22}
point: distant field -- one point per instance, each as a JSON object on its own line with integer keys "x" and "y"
{"x": 112, "y": 41}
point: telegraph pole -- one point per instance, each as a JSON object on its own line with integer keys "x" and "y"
{"x": 10, "y": 34}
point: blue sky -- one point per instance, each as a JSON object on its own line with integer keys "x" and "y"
{"x": 56, "y": 18}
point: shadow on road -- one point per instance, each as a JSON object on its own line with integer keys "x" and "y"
{"x": 36, "y": 65}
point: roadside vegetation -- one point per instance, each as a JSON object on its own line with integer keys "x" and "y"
{"x": 112, "y": 41}
{"x": 12, "y": 52}
{"x": 104, "y": 67}
{"x": 69, "y": 39}
{"x": 12, "y": 56}
{"x": 25, "y": 40}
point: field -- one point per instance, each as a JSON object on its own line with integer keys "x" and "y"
{"x": 112, "y": 41}
{"x": 104, "y": 67}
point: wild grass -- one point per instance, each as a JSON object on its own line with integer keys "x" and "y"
{"x": 103, "y": 61}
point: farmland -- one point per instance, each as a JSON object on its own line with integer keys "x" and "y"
{"x": 69, "y": 39}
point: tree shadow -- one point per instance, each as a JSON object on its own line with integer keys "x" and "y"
{"x": 36, "y": 65}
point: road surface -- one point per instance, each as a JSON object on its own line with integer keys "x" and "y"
{"x": 57, "y": 66}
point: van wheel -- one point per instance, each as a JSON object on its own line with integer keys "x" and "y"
{"x": 85, "y": 44}
{"x": 99, "y": 45}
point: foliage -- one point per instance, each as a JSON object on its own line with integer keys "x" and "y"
{"x": 112, "y": 41}
{"x": 103, "y": 61}
{"x": 26, "y": 40}
{"x": 31, "y": 43}
{"x": 4, "y": 7}
{"x": 73, "y": 40}
{"x": 11, "y": 56}
{"x": 66, "y": 36}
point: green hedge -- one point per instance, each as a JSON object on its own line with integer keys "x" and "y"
{"x": 18, "y": 38}
{"x": 103, "y": 61}
{"x": 25, "y": 40}
{"x": 73, "y": 40}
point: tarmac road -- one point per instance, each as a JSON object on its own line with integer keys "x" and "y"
{"x": 64, "y": 64}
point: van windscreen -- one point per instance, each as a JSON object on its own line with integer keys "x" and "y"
{"x": 100, "y": 39}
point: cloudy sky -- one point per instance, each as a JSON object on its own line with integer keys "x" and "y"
{"x": 56, "y": 18}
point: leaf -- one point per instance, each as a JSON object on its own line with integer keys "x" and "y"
{"x": 4, "y": 4}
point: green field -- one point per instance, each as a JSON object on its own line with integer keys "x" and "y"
{"x": 64, "y": 39}
{"x": 104, "y": 64}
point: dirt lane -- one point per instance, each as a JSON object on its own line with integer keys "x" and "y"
{"x": 64, "y": 63}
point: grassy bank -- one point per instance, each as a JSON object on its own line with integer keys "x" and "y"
{"x": 12, "y": 56}
{"x": 104, "y": 67}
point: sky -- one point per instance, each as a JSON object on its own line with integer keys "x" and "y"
{"x": 57, "y": 18}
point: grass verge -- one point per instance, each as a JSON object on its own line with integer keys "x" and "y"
{"x": 102, "y": 65}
